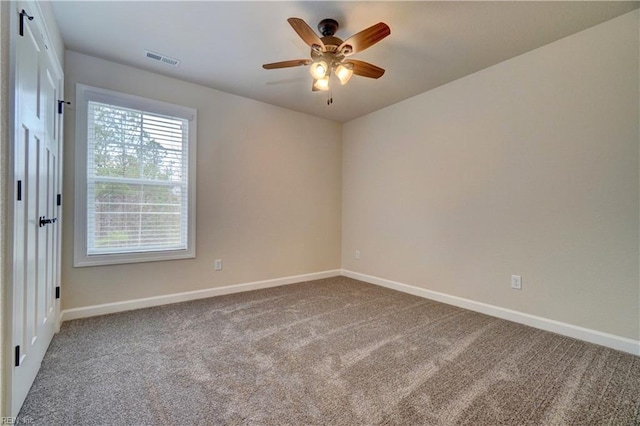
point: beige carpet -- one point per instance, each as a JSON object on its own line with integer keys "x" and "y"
{"x": 331, "y": 352}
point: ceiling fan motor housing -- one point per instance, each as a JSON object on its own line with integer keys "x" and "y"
{"x": 331, "y": 43}
{"x": 328, "y": 27}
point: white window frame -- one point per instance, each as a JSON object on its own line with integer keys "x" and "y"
{"x": 84, "y": 94}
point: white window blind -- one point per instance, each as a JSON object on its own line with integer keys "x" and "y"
{"x": 137, "y": 180}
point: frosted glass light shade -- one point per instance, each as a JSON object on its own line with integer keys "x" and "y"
{"x": 322, "y": 83}
{"x": 344, "y": 73}
{"x": 319, "y": 69}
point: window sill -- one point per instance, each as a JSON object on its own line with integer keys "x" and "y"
{"x": 122, "y": 258}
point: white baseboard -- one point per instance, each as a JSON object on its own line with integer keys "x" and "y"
{"x": 128, "y": 305}
{"x": 588, "y": 335}
{"x": 581, "y": 333}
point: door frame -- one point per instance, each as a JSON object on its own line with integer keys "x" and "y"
{"x": 7, "y": 358}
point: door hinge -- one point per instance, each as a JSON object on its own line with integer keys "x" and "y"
{"x": 24, "y": 14}
{"x": 17, "y": 361}
{"x": 61, "y": 103}
{"x": 19, "y": 191}
{"x": 58, "y": 292}
{"x": 59, "y": 199}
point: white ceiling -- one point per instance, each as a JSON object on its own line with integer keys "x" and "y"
{"x": 224, "y": 44}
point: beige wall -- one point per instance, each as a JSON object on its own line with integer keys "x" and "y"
{"x": 529, "y": 167}
{"x": 268, "y": 192}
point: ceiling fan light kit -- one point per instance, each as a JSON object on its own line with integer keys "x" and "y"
{"x": 330, "y": 55}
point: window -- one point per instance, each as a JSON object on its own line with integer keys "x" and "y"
{"x": 135, "y": 179}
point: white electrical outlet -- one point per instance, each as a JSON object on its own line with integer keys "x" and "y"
{"x": 357, "y": 254}
{"x": 217, "y": 265}
{"x": 516, "y": 282}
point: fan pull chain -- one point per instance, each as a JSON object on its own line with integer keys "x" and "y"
{"x": 330, "y": 96}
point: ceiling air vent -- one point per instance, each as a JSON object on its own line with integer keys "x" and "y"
{"x": 161, "y": 58}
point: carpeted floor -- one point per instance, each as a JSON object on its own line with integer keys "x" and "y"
{"x": 332, "y": 352}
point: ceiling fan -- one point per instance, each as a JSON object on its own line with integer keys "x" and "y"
{"x": 330, "y": 54}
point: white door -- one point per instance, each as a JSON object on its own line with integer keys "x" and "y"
{"x": 36, "y": 213}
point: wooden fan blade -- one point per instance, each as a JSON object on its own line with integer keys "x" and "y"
{"x": 313, "y": 86}
{"x": 287, "y": 64}
{"x": 365, "y": 38}
{"x": 365, "y": 69}
{"x": 306, "y": 33}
